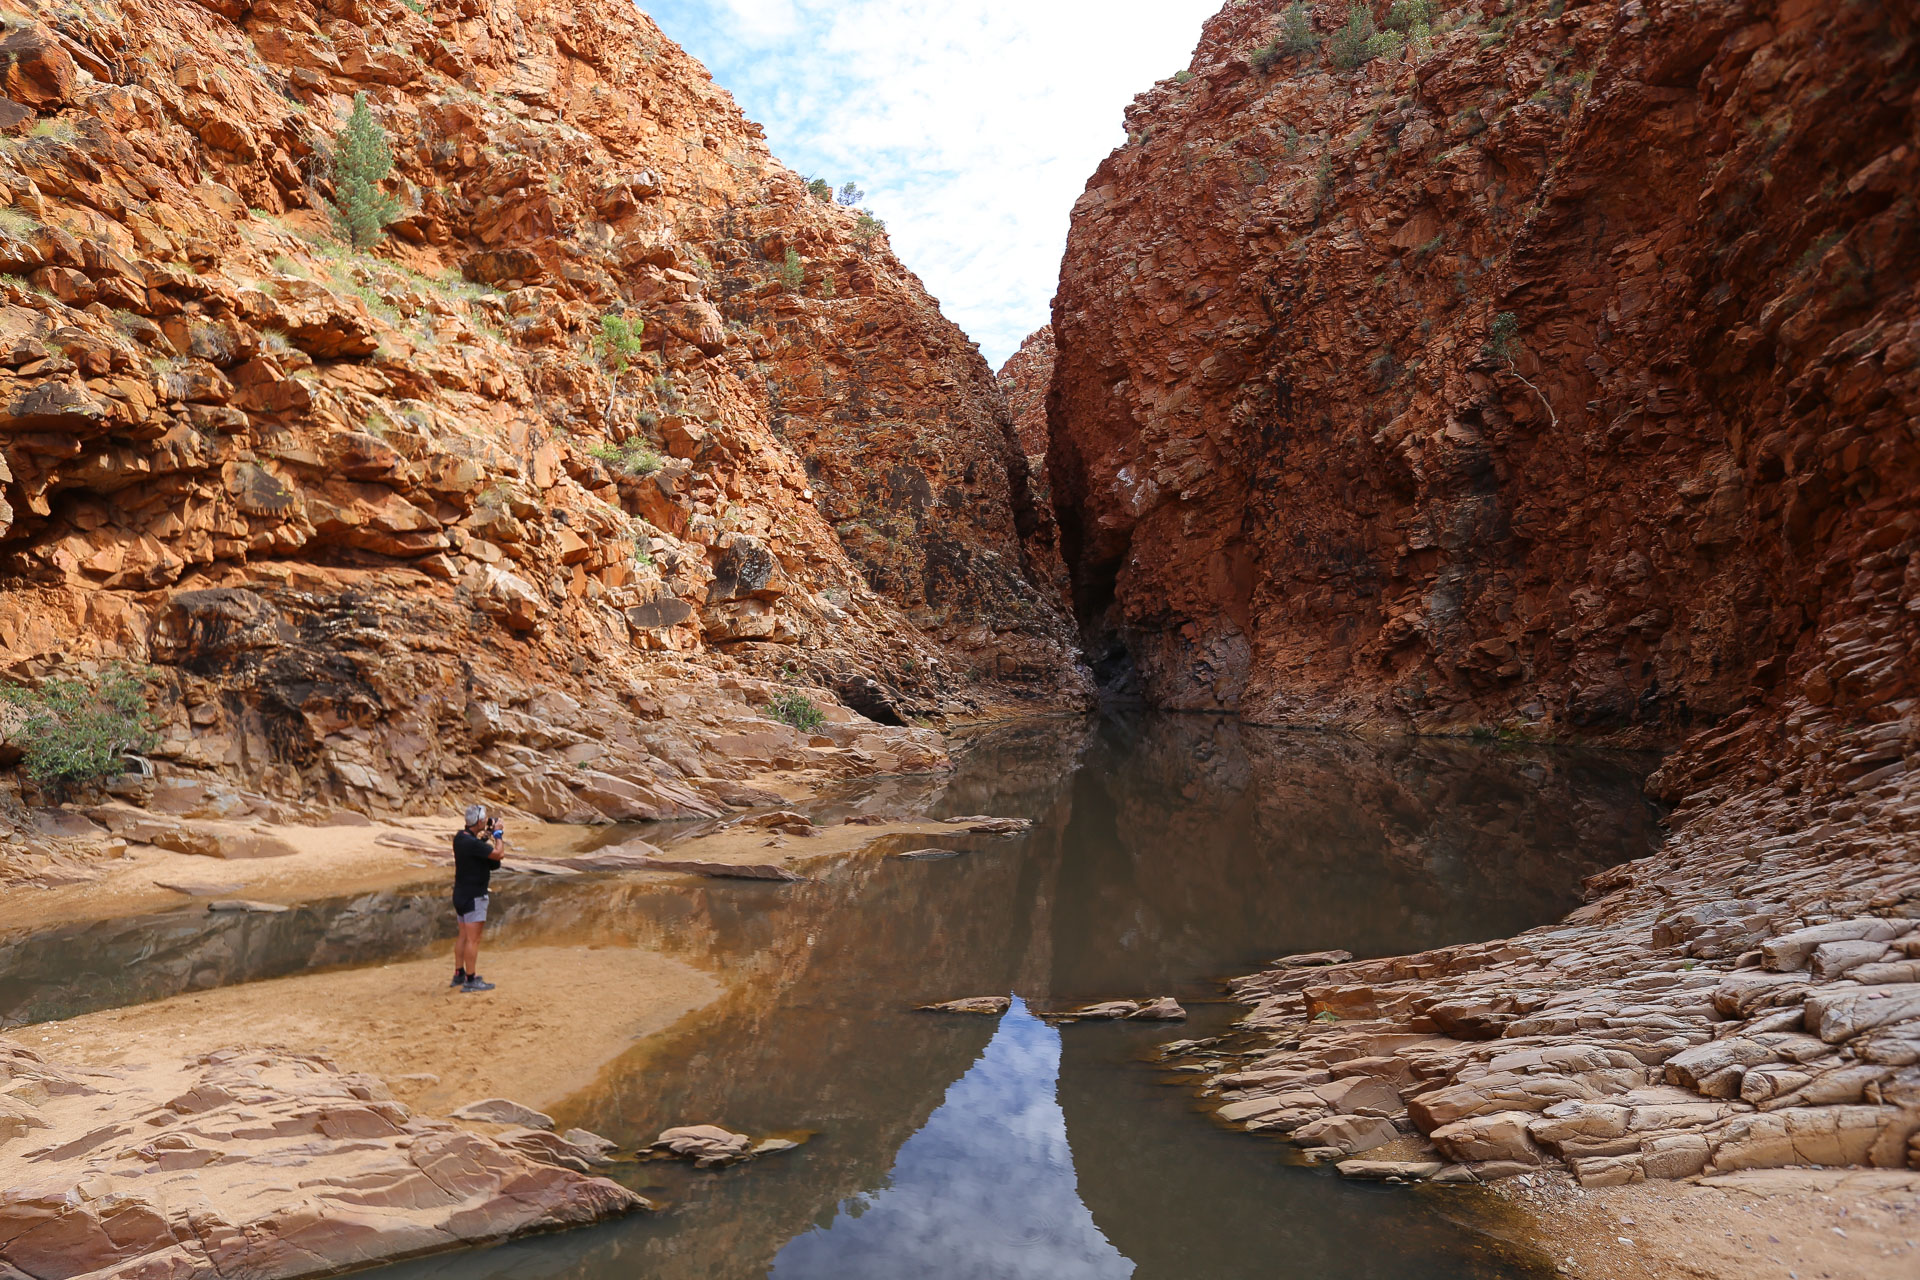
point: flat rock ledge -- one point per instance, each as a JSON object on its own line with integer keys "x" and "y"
{"x": 709, "y": 1146}
{"x": 991, "y": 1006}
{"x": 1159, "y": 1009}
{"x": 258, "y": 1163}
{"x": 1687, "y": 1023}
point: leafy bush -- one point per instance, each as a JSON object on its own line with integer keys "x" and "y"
{"x": 361, "y": 161}
{"x": 1349, "y": 45}
{"x": 1385, "y": 44}
{"x": 820, "y": 189}
{"x": 618, "y": 341}
{"x": 1182, "y": 76}
{"x": 635, "y": 457}
{"x": 1407, "y": 14}
{"x": 796, "y": 710}
{"x": 849, "y": 196}
{"x": 792, "y": 272}
{"x": 1501, "y": 337}
{"x": 1296, "y": 30}
{"x": 76, "y": 733}
{"x": 868, "y": 227}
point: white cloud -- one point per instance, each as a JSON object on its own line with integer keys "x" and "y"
{"x": 973, "y": 125}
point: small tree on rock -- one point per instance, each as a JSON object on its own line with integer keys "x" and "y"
{"x": 1350, "y": 44}
{"x": 1296, "y": 30}
{"x": 361, "y": 161}
{"x": 850, "y": 195}
{"x": 617, "y": 344}
{"x": 1503, "y": 346}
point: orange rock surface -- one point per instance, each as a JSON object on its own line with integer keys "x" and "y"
{"x": 401, "y": 522}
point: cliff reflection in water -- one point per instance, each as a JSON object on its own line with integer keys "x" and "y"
{"x": 1166, "y": 853}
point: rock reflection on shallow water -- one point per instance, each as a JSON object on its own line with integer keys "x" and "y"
{"x": 1166, "y": 853}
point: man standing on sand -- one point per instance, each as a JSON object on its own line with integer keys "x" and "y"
{"x": 476, "y": 851}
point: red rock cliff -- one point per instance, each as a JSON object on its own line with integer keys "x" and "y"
{"x": 396, "y": 521}
{"x": 1559, "y": 376}
{"x": 1025, "y": 378}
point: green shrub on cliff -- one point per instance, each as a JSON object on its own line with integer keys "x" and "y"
{"x": 1405, "y": 15}
{"x": 618, "y": 341}
{"x": 820, "y": 189}
{"x": 792, "y": 271}
{"x": 1349, "y": 45}
{"x": 1296, "y": 30}
{"x": 1385, "y": 44}
{"x": 635, "y": 457}
{"x": 797, "y": 711}
{"x": 361, "y": 161}
{"x": 76, "y": 733}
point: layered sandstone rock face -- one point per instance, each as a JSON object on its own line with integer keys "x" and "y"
{"x": 1559, "y": 376}
{"x": 146, "y": 1171}
{"x": 401, "y": 521}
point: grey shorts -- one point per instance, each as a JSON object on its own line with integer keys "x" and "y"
{"x": 476, "y": 916}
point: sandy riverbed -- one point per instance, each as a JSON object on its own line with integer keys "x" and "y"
{"x": 397, "y": 853}
{"x": 435, "y": 1047}
{"x": 1772, "y": 1224}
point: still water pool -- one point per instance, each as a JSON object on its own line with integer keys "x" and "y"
{"x": 1167, "y": 853}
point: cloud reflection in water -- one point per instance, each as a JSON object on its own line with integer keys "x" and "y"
{"x": 987, "y": 1185}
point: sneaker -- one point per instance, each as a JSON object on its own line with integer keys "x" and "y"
{"x": 475, "y": 982}
{"x": 459, "y": 978}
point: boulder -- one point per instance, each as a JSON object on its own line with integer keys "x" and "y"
{"x": 1349, "y": 1134}
{"x": 1794, "y": 951}
{"x": 1500, "y": 1135}
{"x": 706, "y": 1145}
{"x": 1389, "y": 1170}
{"x": 504, "y": 1111}
{"x": 1842, "y": 1013}
{"x": 989, "y": 1005}
{"x": 1800, "y": 1136}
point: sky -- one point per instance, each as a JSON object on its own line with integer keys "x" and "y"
{"x": 972, "y": 125}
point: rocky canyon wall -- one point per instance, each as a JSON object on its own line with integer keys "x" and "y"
{"x": 1554, "y": 374}
{"x": 1025, "y": 378}
{"x": 401, "y": 521}
{"x": 1559, "y": 376}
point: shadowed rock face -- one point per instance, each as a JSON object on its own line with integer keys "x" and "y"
{"x": 1307, "y": 470}
{"x": 313, "y": 483}
{"x": 1025, "y": 378}
{"x": 1561, "y": 375}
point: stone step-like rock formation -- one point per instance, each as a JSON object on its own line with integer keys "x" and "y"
{"x": 258, "y": 1163}
{"x": 615, "y": 408}
{"x": 1549, "y": 369}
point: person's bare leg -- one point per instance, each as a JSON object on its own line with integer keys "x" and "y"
{"x": 473, "y": 949}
